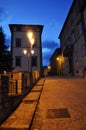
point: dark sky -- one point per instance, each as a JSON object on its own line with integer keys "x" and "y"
{"x": 50, "y": 13}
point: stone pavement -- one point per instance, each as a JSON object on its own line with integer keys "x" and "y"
{"x": 62, "y": 105}
{"x": 56, "y": 104}
{"x": 22, "y": 117}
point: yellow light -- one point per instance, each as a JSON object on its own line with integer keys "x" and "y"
{"x": 25, "y": 52}
{"x": 49, "y": 67}
{"x": 58, "y": 58}
{"x": 30, "y": 35}
{"x": 4, "y": 72}
{"x": 32, "y": 41}
{"x": 32, "y": 52}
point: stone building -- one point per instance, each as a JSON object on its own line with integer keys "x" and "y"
{"x": 23, "y": 58}
{"x": 54, "y": 63}
{"x": 73, "y": 38}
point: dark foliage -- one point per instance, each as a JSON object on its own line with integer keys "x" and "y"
{"x": 5, "y": 55}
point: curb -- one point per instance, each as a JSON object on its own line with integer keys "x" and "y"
{"x": 36, "y": 106}
{"x": 21, "y": 118}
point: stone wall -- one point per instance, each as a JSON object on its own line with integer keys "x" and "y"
{"x": 10, "y": 104}
{"x": 7, "y": 103}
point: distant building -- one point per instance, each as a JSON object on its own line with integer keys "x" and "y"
{"x": 46, "y": 70}
{"x": 73, "y": 39}
{"x": 53, "y": 62}
{"x": 20, "y": 43}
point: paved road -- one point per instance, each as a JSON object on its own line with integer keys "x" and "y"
{"x": 62, "y": 105}
{"x": 22, "y": 117}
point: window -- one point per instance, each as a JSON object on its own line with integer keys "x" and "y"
{"x": 18, "y": 28}
{"x": 18, "y": 42}
{"x": 34, "y": 60}
{"x": 18, "y": 61}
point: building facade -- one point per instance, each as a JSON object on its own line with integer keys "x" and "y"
{"x": 55, "y": 67}
{"x": 23, "y": 59}
{"x": 73, "y": 39}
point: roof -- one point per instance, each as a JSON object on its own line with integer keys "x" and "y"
{"x": 11, "y": 26}
{"x": 67, "y": 17}
{"x": 82, "y": 5}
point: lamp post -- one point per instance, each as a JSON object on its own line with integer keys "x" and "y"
{"x": 31, "y": 40}
{"x": 31, "y": 52}
{"x": 60, "y": 61}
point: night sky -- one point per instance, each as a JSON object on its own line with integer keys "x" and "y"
{"x": 50, "y": 13}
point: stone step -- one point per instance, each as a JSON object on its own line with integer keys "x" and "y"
{"x": 36, "y": 89}
{"x": 22, "y": 117}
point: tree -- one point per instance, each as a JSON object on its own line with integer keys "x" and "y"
{"x": 5, "y": 55}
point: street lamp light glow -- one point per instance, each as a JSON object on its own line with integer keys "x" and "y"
{"x": 32, "y": 41}
{"x": 57, "y": 58}
{"x": 60, "y": 61}
{"x": 30, "y": 35}
{"x": 25, "y": 51}
{"x": 32, "y": 52}
{"x": 49, "y": 67}
{"x": 31, "y": 38}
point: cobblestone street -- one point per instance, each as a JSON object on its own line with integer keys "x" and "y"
{"x": 68, "y": 96}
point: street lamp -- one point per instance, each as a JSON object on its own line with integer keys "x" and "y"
{"x": 31, "y": 52}
{"x": 31, "y": 40}
{"x": 25, "y": 51}
{"x": 30, "y": 35}
{"x": 60, "y": 61}
{"x": 59, "y": 64}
